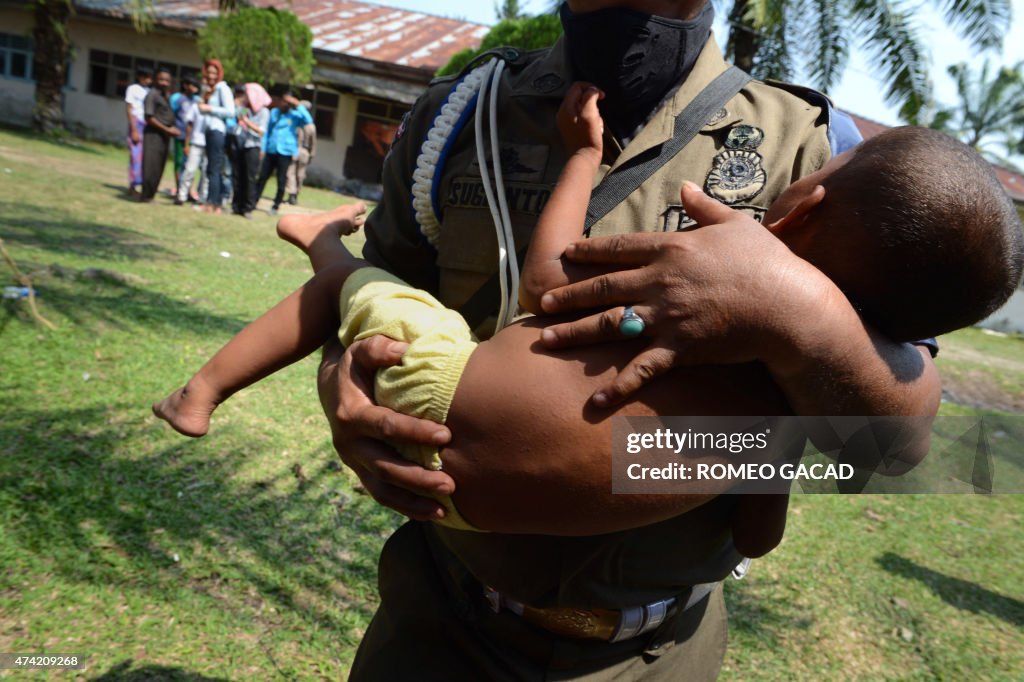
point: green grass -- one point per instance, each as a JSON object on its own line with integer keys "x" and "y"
{"x": 247, "y": 555}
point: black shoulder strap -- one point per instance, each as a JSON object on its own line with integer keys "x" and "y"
{"x": 626, "y": 179}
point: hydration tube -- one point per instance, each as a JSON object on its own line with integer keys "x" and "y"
{"x": 471, "y": 92}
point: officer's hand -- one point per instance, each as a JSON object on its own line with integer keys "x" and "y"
{"x": 358, "y": 427}
{"x": 725, "y": 293}
{"x": 579, "y": 120}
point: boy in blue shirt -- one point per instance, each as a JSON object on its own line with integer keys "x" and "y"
{"x": 181, "y": 104}
{"x": 281, "y": 143}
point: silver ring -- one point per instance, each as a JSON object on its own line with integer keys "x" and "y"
{"x": 631, "y": 324}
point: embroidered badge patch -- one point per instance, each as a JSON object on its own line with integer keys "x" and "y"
{"x": 468, "y": 192}
{"x": 717, "y": 116}
{"x": 549, "y": 82}
{"x": 521, "y": 162}
{"x": 736, "y": 175}
{"x": 675, "y": 219}
{"x": 744, "y": 137}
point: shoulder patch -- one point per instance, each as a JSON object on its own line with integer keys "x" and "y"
{"x": 451, "y": 78}
{"x": 548, "y": 82}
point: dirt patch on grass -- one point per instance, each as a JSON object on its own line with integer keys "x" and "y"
{"x": 979, "y": 389}
{"x": 963, "y": 353}
{"x": 91, "y": 167}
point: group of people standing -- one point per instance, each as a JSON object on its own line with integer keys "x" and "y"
{"x": 236, "y": 138}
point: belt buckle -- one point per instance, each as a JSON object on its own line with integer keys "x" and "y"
{"x": 639, "y": 620}
{"x": 493, "y": 598}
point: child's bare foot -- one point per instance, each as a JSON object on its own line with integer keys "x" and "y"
{"x": 303, "y": 230}
{"x": 188, "y": 409}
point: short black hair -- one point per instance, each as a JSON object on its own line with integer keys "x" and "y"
{"x": 164, "y": 69}
{"x": 189, "y": 80}
{"x": 239, "y": 89}
{"x": 143, "y": 71}
{"x": 280, "y": 90}
{"x": 935, "y": 240}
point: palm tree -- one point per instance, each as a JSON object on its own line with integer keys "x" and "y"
{"x": 508, "y": 9}
{"x": 990, "y": 114}
{"x": 53, "y": 51}
{"x": 50, "y": 63}
{"x": 766, "y": 37}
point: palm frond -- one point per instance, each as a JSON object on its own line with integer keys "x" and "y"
{"x": 982, "y": 22}
{"x": 826, "y": 47}
{"x": 991, "y": 108}
{"x": 774, "y": 58}
{"x": 891, "y": 41}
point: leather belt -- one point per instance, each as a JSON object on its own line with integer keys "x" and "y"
{"x": 609, "y": 625}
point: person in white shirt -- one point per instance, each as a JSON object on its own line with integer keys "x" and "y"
{"x": 134, "y": 98}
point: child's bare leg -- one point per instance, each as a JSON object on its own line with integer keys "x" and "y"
{"x": 285, "y": 334}
{"x": 318, "y": 235}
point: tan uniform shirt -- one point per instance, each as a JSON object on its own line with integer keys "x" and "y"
{"x": 658, "y": 561}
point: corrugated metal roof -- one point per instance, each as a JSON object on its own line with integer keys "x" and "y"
{"x": 358, "y": 29}
{"x": 1012, "y": 182}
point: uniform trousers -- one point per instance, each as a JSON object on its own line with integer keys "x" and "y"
{"x": 434, "y": 625}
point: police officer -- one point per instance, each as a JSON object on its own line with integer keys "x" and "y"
{"x": 639, "y": 604}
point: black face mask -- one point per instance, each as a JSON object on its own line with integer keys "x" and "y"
{"x": 636, "y": 58}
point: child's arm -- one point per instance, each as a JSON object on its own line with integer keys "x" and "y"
{"x": 561, "y": 222}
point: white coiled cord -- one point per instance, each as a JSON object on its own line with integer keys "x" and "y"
{"x": 482, "y": 79}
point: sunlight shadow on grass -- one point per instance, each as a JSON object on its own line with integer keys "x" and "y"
{"x": 61, "y": 232}
{"x": 99, "y": 517}
{"x": 91, "y": 300}
{"x": 958, "y": 593}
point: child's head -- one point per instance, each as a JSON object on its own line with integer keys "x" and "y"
{"x": 913, "y": 226}
{"x": 241, "y": 98}
{"x": 144, "y": 76}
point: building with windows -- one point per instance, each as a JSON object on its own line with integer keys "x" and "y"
{"x": 372, "y": 62}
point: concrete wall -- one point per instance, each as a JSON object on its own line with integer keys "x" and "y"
{"x": 17, "y": 97}
{"x": 326, "y": 168}
{"x": 1009, "y": 318}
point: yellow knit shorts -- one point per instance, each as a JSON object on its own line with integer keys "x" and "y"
{"x": 373, "y": 302}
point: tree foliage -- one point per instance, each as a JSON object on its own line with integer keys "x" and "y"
{"x": 771, "y": 38}
{"x": 528, "y": 33}
{"x": 259, "y": 45}
{"x": 508, "y": 9}
{"x": 990, "y": 114}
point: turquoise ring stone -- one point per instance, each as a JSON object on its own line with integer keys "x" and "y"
{"x": 631, "y": 324}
